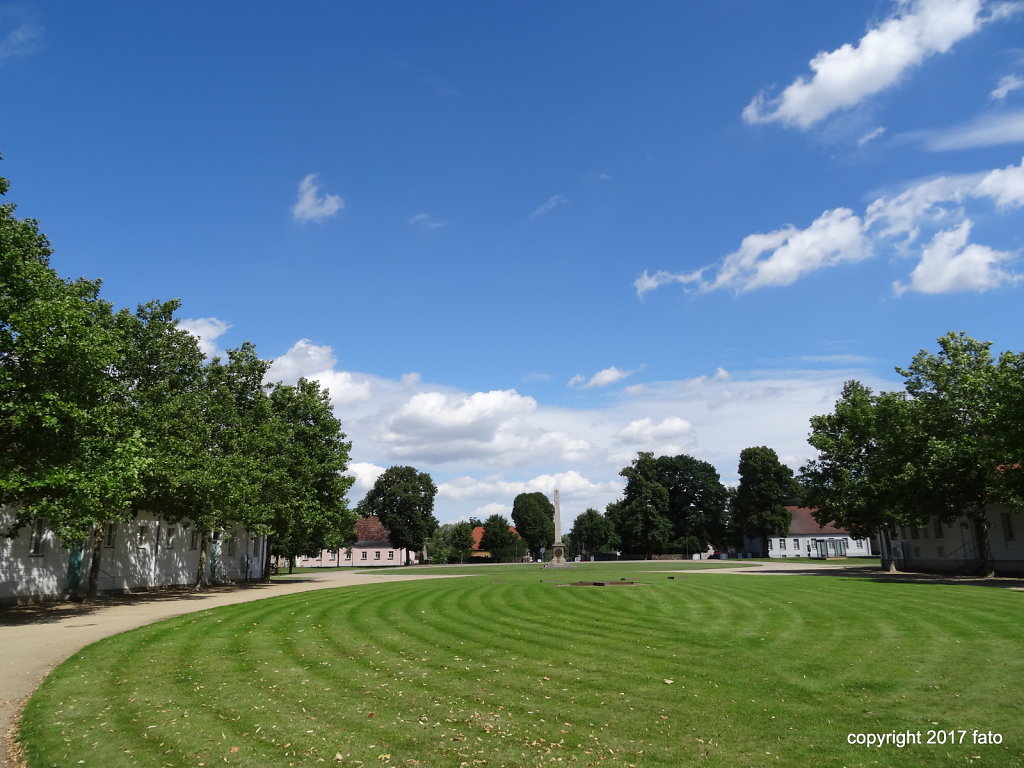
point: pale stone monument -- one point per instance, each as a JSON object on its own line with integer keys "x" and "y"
{"x": 558, "y": 560}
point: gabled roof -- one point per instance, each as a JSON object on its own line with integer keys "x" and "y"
{"x": 805, "y": 524}
{"x": 478, "y": 535}
{"x": 370, "y": 532}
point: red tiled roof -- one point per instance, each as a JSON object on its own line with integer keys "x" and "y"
{"x": 478, "y": 535}
{"x": 804, "y": 523}
{"x": 370, "y": 530}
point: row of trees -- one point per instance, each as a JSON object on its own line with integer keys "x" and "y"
{"x": 949, "y": 444}
{"x": 105, "y": 413}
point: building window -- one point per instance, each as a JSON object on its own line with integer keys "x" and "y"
{"x": 193, "y": 540}
{"x": 363, "y": 554}
{"x": 171, "y": 533}
{"x": 1007, "y": 521}
{"x": 35, "y": 543}
{"x": 391, "y": 554}
{"x": 782, "y": 544}
{"x": 914, "y": 532}
{"x": 348, "y": 555}
{"x": 796, "y": 544}
{"x": 938, "y": 529}
{"x": 376, "y": 555}
{"x": 109, "y": 534}
{"x": 231, "y": 546}
{"x": 143, "y": 533}
{"x": 256, "y": 546}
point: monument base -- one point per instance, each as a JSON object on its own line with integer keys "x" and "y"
{"x": 558, "y": 559}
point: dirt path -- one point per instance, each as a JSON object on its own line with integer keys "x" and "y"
{"x": 35, "y": 639}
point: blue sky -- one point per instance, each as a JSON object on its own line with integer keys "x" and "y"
{"x": 522, "y": 241}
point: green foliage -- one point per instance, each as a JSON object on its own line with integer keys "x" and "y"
{"x": 766, "y": 486}
{"x": 592, "y": 532}
{"x": 500, "y": 541}
{"x": 403, "y": 499}
{"x": 948, "y": 445}
{"x": 451, "y": 543}
{"x": 671, "y": 504}
{"x": 533, "y": 515}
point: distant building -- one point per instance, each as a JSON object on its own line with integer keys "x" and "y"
{"x": 372, "y": 547}
{"x": 806, "y": 538}
{"x": 478, "y": 537}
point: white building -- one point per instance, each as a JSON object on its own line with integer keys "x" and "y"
{"x": 143, "y": 553}
{"x": 953, "y": 547}
{"x": 372, "y": 548}
{"x": 808, "y": 539}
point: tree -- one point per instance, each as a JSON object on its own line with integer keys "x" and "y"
{"x": 403, "y": 499}
{"x": 851, "y": 482}
{"x": 69, "y": 451}
{"x": 309, "y": 512}
{"x": 961, "y": 459}
{"x": 592, "y": 532}
{"x": 696, "y": 502}
{"x": 533, "y": 515}
{"x": 451, "y": 543}
{"x": 498, "y": 539}
{"x": 766, "y": 486}
{"x": 641, "y": 516}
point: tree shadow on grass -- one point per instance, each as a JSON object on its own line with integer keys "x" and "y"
{"x": 52, "y": 612}
{"x": 904, "y": 577}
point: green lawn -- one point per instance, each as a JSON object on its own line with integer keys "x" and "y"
{"x": 507, "y": 667}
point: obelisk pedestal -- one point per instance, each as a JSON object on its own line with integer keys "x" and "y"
{"x": 558, "y": 548}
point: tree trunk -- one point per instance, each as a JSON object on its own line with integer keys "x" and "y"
{"x": 94, "y": 564}
{"x": 200, "y": 571}
{"x": 266, "y": 560}
{"x": 988, "y": 566}
{"x": 888, "y": 561}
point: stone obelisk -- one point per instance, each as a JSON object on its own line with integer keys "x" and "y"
{"x": 558, "y": 559}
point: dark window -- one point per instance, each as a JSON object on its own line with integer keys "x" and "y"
{"x": 36, "y": 543}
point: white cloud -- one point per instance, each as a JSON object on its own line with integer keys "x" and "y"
{"x": 984, "y": 131}
{"x": 365, "y": 474}
{"x": 549, "y": 205}
{"x": 870, "y": 136}
{"x": 949, "y": 263}
{"x": 647, "y": 282}
{"x": 1006, "y": 86}
{"x": 206, "y": 330}
{"x": 311, "y": 361}
{"x": 602, "y": 378}
{"x": 845, "y": 77}
{"x": 646, "y": 432}
{"x": 840, "y": 236}
{"x": 23, "y": 38}
{"x": 783, "y": 256}
{"x": 426, "y": 221}
{"x": 311, "y": 205}
{"x": 476, "y": 416}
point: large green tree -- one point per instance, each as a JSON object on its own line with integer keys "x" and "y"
{"x": 852, "y": 480}
{"x": 308, "y": 508}
{"x": 533, "y": 515}
{"x": 69, "y": 448}
{"x": 641, "y": 516}
{"x": 592, "y": 532}
{"x": 766, "y": 486}
{"x": 503, "y": 544}
{"x": 403, "y": 499}
{"x": 696, "y": 502}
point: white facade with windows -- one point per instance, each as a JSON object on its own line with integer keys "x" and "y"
{"x": 806, "y": 538}
{"x": 142, "y": 553}
{"x": 953, "y": 546}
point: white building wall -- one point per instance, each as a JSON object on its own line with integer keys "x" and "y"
{"x": 142, "y": 553}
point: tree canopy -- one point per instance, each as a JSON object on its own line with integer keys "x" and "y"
{"x": 533, "y": 515}
{"x": 108, "y": 413}
{"x": 499, "y": 540}
{"x": 592, "y": 532}
{"x": 403, "y": 499}
{"x": 766, "y": 486}
{"x": 948, "y": 445}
